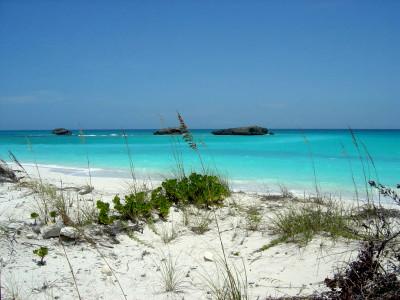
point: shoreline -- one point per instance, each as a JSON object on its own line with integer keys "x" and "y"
{"x": 118, "y": 176}
{"x": 255, "y": 165}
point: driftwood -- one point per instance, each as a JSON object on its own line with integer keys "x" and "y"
{"x": 6, "y": 173}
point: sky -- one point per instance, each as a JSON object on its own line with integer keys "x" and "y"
{"x": 134, "y": 64}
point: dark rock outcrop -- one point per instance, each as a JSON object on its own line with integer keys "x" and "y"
{"x": 61, "y": 131}
{"x": 249, "y": 130}
{"x": 163, "y": 131}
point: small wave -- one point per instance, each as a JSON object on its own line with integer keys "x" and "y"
{"x": 59, "y": 167}
{"x": 94, "y": 135}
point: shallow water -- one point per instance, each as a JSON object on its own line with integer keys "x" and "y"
{"x": 295, "y": 158}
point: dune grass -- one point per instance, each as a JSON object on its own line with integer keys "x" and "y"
{"x": 168, "y": 233}
{"x": 253, "y": 217}
{"x": 172, "y": 277}
{"x": 301, "y": 223}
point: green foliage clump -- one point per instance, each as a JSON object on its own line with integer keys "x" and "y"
{"x": 41, "y": 252}
{"x": 200, "y": 190}
{"x": 34, "y": 216}
{"x": 104, "y": 210}
{"x": 53, "y": 214}
{"x": 160, "y": 202}
{"x": 136, "y": 206}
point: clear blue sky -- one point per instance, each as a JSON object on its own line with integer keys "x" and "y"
{"x": 126, "y": 64}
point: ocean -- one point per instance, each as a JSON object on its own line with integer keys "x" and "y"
{"x": 296, "y": 159}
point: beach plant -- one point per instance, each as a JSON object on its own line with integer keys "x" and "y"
{"x": 160, "y": 202}
{"x": 230, "y": 284}
{"x": 168, "y": 233}
{"x": 136, "y": 206}
{"x": 13, "y": 288}
{"x": 63, "y": 203}
{"x": 199, "y": 221}
{"x": 46, "y": 193}
{"x": 34, "y": 216}
{"x": 253, "y": 218}
{"x": 41, "y": 252}
{"x": 198, "y": 189}
{"x": 104, "y": 210}
{"x": 203, "y": 191}
{"x": 284, "y": 191}
{"x": 53, "y": 214}
{"x": 171, "y": 275}
{"x": 50, "y": 199}
{"x": 87, "y": 213}
{"x": 300, "y": 224}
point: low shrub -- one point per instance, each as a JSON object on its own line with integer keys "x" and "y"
{"x": 200, "y": 190}
{"x": 160, "y": 202}
{"x": 41, "y": 252}
{"x": 104, "y": 209}
{"x": 136, "y": 206}
{"x": 34, "y": 216}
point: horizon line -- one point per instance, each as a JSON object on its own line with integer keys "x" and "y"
{"x": 282, "y": 128}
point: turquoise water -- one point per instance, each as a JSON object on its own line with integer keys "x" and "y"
{"x": 249, "y": 162}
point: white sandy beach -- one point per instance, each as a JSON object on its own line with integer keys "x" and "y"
{"x": 108, "y": 268}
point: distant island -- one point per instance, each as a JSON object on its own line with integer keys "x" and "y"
{"x": 248, "y": 130}
{"x": 61, "y": 131}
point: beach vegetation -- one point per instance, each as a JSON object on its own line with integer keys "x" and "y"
{"x": 53, "y": 201}
{"x": 199, "y": 220}
{"x": 53, "y": 215}
{"x": 63, "y": 205}
{"x": 160, "y": 202}
{"x": 202, "y": 191}
{"x": 13, "y": 288}
{"x": 253, "y": 218}
{"x": 34, "y": 216}
{"x": 172, "y": 276}
{"x": 168, "y": 233}
{"x": 230, "y": 282}
{"x": 46, "y": 195}
{"x": 284, "y": 191}
{"x": 41, "y": 252}
{"x": 104, "y": 210}
{"x": 136, "y": 206}
{"x": 197, "y": 189}
{"x": 301, "y": 223}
